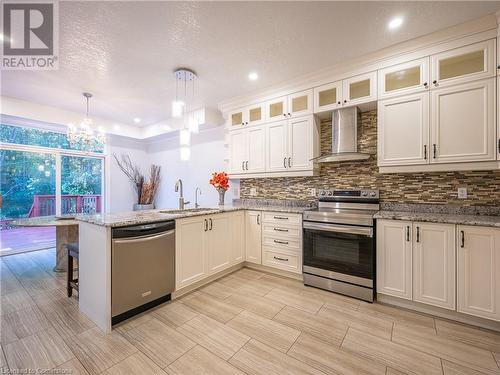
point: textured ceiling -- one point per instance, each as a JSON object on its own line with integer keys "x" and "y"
{"x": 125, "y": 52}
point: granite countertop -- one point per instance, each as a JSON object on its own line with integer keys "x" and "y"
{"x": 152, "y": 216}
{"x": 487, "y": 216}
{"x": 45, "y": 221}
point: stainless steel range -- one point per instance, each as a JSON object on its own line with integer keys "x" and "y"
{"x": 339, "y": 243}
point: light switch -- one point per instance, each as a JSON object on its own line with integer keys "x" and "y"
{"x": 462, "y": 193}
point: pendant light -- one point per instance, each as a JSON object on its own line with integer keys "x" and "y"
{"x": 85, "y": 134}
{"x": 184, "y": 78}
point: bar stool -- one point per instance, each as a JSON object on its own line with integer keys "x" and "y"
{"x": 72, "y": 283}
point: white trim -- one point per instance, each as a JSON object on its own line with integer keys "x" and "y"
{"x": 58, "y": 184}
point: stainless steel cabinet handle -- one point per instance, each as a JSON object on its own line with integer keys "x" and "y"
{"x": 499, "y": 145}
{"x": 289, "y": 162}
{"x": 281, "y": 217}
{"x": 462, "y": 240}
{"x": 206, "y": 225}
{"x": 246, "y": 165}
{"x": 281, "y": 242}
{"x": 211, "y": 224}
{"x": 280, "y": 230}
{"x": 284, "y": 162}
{"x": 243, "y": 165}
{"x": 418, "y": 234}
{"x": 425, "y": 152}
{"x": 282, "y": 259}
{"x": 408, "y": 233}
{"x": 258, "y": 219}
{"x": 434, "y": 151}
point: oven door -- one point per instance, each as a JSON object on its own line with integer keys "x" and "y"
{"x": 339, "y": 249}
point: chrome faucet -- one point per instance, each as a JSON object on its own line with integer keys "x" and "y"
{"x": 196, "y": 205}
{"x": 178, "y": 188}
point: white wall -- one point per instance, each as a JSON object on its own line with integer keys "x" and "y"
{"x": 120, "y": 194}
{"x": 207, "y": 156}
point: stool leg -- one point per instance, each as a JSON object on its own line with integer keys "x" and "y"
{"x": 69, "y": 275}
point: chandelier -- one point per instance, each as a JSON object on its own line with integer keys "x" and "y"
{"x": 185, "y": 77}
{"x": 85, "y": 134}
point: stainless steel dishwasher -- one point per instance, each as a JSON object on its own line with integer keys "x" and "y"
{"x": 142, "y": 268}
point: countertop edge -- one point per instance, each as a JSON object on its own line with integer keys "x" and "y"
{"x": 478, "y": 220}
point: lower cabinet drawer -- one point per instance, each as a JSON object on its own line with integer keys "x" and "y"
{"x": 284, "y": 260}
{"x": 281, "y": 231}
{"x": 292, "y": 244}
{"x": 281, "y": 218}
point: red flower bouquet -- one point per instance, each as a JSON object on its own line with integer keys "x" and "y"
{"x": 221, "y": 182}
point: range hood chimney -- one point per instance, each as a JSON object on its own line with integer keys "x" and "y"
{"x": 344, "y": 137}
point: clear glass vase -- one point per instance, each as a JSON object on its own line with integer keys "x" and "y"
{"x": 222, "y": 192}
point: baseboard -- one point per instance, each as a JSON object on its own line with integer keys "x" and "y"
{"x": 276, "y": 271}
{"x": 439, "y": 312}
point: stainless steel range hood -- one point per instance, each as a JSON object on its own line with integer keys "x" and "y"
{"x": 344, "y": 137}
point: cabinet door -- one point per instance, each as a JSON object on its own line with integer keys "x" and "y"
{"x": 360, "y": 89}
{"x": 256, "y": 150}
{"x": 478, "y": 271}
{"x": 300, "y": 143}
{"x": 190, "y": 251}
{"x": 328, "y": 97}
{"x": 276, "y": 109}
{"x": 434, "y": 264}
{"x": 403, "y": 130}
{"x": 394, "y": 259}
{"x": 498, "y": 117}
{"x": 238, "y": 151}
{"x": 463, "y": 122}
{"x": 276, "y": 147}
{"x": 238, "y": 118}
{"x": 253, "y": 237}
{"x": 256, "y": 114}
{"x": 237, "y": 220}
{"x": 402, "y": 79}
{"x": 219, "y": 240}
{"x": 463, "y": 64}
{"x": 300, "y": 103}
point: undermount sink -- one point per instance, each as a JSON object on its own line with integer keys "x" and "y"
{"x": 187, "y": 210}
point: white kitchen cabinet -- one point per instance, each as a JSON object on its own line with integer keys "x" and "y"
{"x": 394, "y": 258}
{"x": 328, "y": 97}
{"x": 247, "y": 153}
{"x": 238, "y": 147}
{"x": 434, "y": 264}
{"x": 219, "y": 242}
{"x": 276, "y": 146}
{"x": 359, "y": 89}
{"x": 478, "y": 271}
{"x": 402, "y": 79}
{"x": 251, "y": 115}
{"x": 190, "y": 251}
{"x": 237, "y": 230}
{"x": 463, "y": 122}
{"x": 277, "y": 109}
{"x": 403, "y": 130}
{"x": 256, "y": 159}
{"x": 253, "y": 237}
{"x": 300, "y": 104}
{"x": 497, "y": 105}
{"x": 464, "y": 64}
{"x": 292, "y": 144}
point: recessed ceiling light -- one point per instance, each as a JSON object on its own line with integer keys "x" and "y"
{"x": 253, "y": 76}
{"x": 137, "y": 120}
{"x": 395, "y": 23}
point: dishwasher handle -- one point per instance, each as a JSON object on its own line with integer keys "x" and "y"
{"x": 143, "y": 230}
{"x": 143, "y": 239}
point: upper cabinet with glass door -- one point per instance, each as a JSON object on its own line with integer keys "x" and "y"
{"x": 463, "y": 64}
{"x": 359, "y": 89}
{"x": 250, "y": 115}
{"x": 406, "y": 78}
{"x": 328, "y": 97}
{"x": 290, "y": 106}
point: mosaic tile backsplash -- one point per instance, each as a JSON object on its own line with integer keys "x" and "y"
{"x": 483, "y": 187}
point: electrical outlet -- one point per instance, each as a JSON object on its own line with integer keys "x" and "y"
{"x": 312, "y": 192}
{"x": 462, "y": 193}
{"x": 253, "y": 192}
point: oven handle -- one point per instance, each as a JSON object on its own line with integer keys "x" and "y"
{"x": 339, "y": 228}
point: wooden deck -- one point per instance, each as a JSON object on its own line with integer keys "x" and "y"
{"x": 24, "y": 239}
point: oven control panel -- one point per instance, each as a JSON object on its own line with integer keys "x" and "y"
{"x": 353, "y": 194}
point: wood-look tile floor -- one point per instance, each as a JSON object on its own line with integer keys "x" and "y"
{"x": 248, "y": 322}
